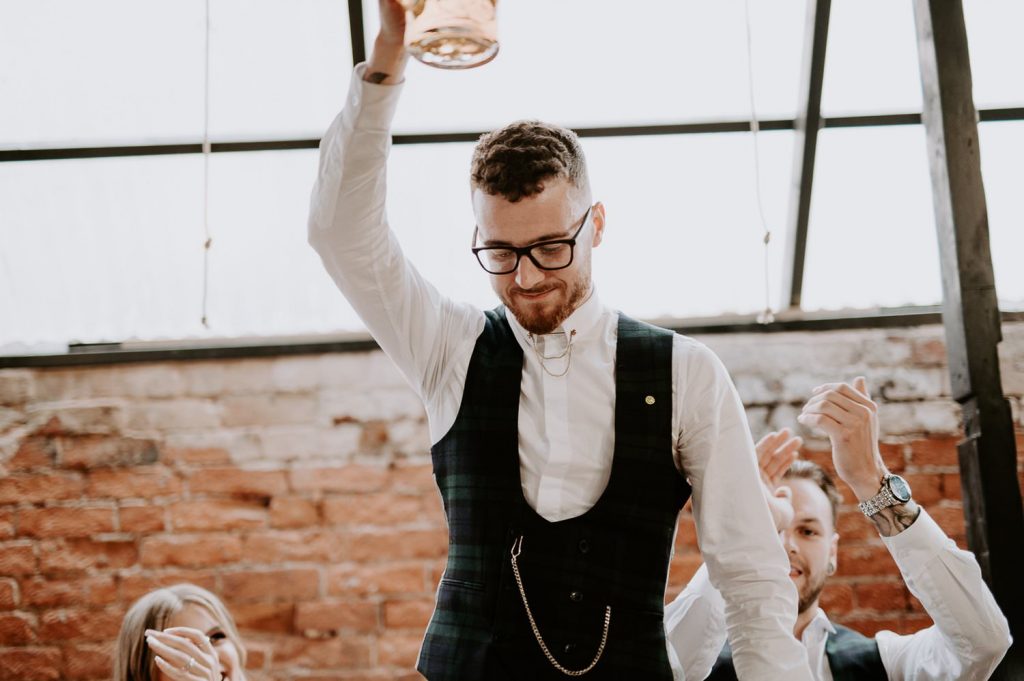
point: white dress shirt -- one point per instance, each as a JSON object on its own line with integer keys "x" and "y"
{"x": 566, "y": 433}
{"x": 967, "y": 641}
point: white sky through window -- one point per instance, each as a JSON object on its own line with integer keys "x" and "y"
{"x": 110, "y": 249}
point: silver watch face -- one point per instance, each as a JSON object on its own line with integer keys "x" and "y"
{"x": 899, "y": 488}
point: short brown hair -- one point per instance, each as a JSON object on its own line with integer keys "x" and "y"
{"x": 513, "y": 162}
{"x": 133, "y": 660}
{"x": 808, "y": 470}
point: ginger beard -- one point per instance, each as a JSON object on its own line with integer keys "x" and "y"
{"x": 547, "y": 313}
{"x": 809, "y": 585}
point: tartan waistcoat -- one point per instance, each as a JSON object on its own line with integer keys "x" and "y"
{"x": 615, "y": 554}
{"x": 851, "y": 657}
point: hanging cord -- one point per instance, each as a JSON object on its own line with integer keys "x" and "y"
{"x": 208, "y": 240}
{"x": 766, "y": 316}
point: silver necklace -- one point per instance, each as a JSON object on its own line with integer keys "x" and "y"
{"x": 567, "y": 353}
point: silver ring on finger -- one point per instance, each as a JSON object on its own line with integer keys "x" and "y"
{"x": 190, "y": 664}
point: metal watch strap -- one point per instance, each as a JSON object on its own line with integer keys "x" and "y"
{"x": 884, "y": 499}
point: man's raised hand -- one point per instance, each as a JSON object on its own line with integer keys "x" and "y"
{"x": 848, "y": 415}
{"x": 776, "y": 452}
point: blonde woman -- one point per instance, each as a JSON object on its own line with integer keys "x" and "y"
{"x": 179, "y": 633}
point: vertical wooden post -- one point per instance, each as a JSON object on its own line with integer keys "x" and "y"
{"x": 988, "y": 461}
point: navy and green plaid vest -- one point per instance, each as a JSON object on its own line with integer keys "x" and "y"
{"x": 851, "y": 657}
{"x": 616, "y": 553}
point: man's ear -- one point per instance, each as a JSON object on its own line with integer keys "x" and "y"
{"x": 833, "y": 550}
{"x": 598, "y": 216}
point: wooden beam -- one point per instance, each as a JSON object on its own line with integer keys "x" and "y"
{"x": 807, "y": 124}
{"x": 988, "y": 460}
{"x": 356, "y": 31}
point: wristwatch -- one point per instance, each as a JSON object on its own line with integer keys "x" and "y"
{"x": 895, "y": 490}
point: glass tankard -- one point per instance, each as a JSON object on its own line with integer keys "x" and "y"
{"x": 452, "y": 34}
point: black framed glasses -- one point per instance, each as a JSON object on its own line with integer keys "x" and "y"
{"x": 553, "y": 254}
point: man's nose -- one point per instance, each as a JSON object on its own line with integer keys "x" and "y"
{"x": 787, "y": 541}
{"x": 528, "y": 275}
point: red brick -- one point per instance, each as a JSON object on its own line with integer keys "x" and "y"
{"x": 34, "y": 452}
{"x": 894, "y": 456}
{"x": 17, "y": 628}
{"x": 293, "y": 545}
{"x": 333, "y": 616}
{"x": 865, "y": 560}
{"x": 124, "y": 483}
{"x": 387, "y": 545}
{"x": 935, "y": 451}
{"x": 394, "y": 578}
{"x": 196, "y": 456}
{"x": 380, "y": 509}
{"x": 78, "y": 555}
{"x": 30, "y": 664}
{"x": 190, "y": 550}
{"x": 854, "y": 528}
{"x": 951, "y": 488}
{"x": 928, "y": 353}
{"x": 686, "y": 535}
{"x": 271, "y": 585}
{"x": 80, "y": 624}
{"x": 238, "y": 481}
{"x": 913, "y": 623}
{"x": 293, "y": 512}
{"x": 98, "y": 451}
{"x": 218, "y": 514}
{"x": 134, "y": 586}
{"x": 332, "y": 653}
{"x": 41, "y": 592}
{"x": 926, "y": 487}
{"x": 142, "y": 518}
{"x": 413, "y": 614}
{"x": 17, "y": 558}
{"x": 373, "y": 436}
{"x": 410, "y": 478}
{"x": 352, "y": 478}
{"x": 65, "y": 522}
{"x": 32, "y": 489}
{"x": 8, "y": 593}
{"x": 882, "y": 597}
{"x": 6, "y": 524}
{"x": 256, "y": 655}
{"x": 88, "y": 661}
{"x": 272, "y": 618}
{"x": 869, "y": 626}
{"x": 837, "y": 597}
{"x": 683, "y": 567}
{"x": 398, "y": 648}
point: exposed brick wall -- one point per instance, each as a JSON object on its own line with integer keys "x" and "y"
{"x": 299, "y": 489}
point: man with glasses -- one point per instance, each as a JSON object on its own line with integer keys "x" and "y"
{"x": 566, "y": 437}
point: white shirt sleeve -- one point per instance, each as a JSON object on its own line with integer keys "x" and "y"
{"x": 428, "y": 336}
{"x": 695, "y": 627}
{"x": 970, "y": 634}
{"x": 742, "y": 551}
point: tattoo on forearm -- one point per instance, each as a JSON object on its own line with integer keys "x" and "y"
{"x": 377, "y": 77}
{"x": 893, "y": 520}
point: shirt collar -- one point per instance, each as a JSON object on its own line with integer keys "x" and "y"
{"x": 583, "y": 320}
{"x": 820, "y": 624}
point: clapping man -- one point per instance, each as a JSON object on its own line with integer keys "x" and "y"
{"x": 970, "y": 634}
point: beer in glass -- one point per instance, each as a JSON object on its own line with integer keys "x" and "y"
{"x": 452, "y": 34}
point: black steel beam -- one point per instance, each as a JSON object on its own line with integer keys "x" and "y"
{"x": 126, "y": 353}
{"x": 696, "y": 128}
{"x": 988, "y": 458}
{"x": 805, "y": 147}
{"x": 356, "y": 31}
